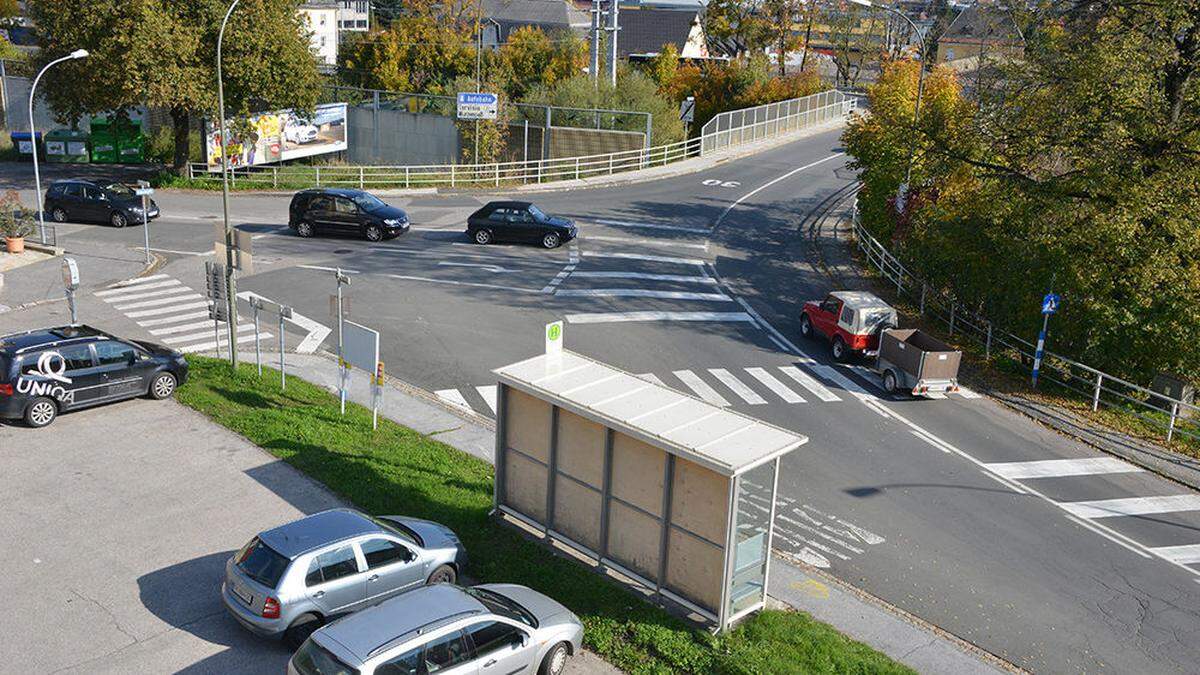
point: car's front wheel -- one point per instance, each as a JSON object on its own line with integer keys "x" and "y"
{"x": 444, "y": 574}
{"x": 374, "y": 233}
{"x": 58, "y": 215}
{"x": 806, "y": 326}
{"x": 118, "y": 219}
{"x": 40, "y": 412}
{"x": 301, "y": 628}
{"x": 304, "y": 229}
{"x": 162, "y": 386}
{"x": 483, "y": 237}
{"x": 556, "y": 661}
{"x": 551, "y": 240}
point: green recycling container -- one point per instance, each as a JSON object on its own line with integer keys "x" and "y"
{"x": 66, "y": 145}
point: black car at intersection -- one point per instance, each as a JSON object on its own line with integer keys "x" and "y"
{"x": 52, "y": 370}
{"x": 518, "y": 221}
{"x": 96, "y": 202}
{"x": 345, "y": 212}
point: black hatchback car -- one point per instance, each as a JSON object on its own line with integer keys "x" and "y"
{"x": 97, "y": 201}
{"x": 52, "y": 370}
{"x": 345, "y": 212}
{"x": 518, "y": 221}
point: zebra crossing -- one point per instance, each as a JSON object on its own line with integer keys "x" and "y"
{"x": 173, "y": 313}
{"x": 724, "y": 387}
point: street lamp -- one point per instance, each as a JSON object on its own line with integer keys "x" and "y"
{"x": 230, "y": 279}
{"x": 903, "y": 189}
{"x": 37, "y": 178}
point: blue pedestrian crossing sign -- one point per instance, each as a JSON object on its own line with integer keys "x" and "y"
{"x": 1050, "y": 303}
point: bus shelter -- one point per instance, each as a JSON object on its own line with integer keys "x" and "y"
{"x": 670, "y": 491}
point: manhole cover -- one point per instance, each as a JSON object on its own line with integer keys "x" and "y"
{"x": 343, "y": 251}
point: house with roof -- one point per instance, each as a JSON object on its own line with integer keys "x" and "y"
{"x": 644, "y": 31}
{"x": 502, "y": 17}
{"x": 979, "y": 32}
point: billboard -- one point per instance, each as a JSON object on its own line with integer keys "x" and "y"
{"x": 280, "y": 136}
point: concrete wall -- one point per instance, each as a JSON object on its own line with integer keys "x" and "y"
{"x": 398, "y": 137}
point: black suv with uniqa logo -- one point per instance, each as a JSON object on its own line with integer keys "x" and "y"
{"x": 352, "y": 213}
{"x": 52, "y": 370}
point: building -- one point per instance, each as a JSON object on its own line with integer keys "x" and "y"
{"x": 321, "y": 19}
{"x": 644, "y": 31}
{"x": 354, "y": 15}
{"x": 502, "y": 17}
{"x": 979, "y": 32}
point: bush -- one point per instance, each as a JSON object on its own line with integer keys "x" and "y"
{"x": 634, "y": 91}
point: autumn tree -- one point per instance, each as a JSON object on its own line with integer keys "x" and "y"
{"x": 781, "y": 18}
{"x": 532, "y": 58}
{"x": 664, "y": 67}
{"x": 739, "y": 23}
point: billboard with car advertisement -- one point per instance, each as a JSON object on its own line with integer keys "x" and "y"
{"x": 279, "y": 136}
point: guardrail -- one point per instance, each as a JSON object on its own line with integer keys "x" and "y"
{"x": 801, "y": 113}
{"x": 772, "y": 119}
{"x": 1172, "y": 416}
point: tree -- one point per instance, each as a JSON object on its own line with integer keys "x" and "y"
{"x": 634, "y": 91}
{"x": 738, "y": 23}
{"x": 664, "y": 67}
{"x": 780, "y": 20}
{"x": 162, "y": 53}
{"x": 532, "y": 58}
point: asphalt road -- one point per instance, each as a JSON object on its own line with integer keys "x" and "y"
{"x": 956, "y": 510}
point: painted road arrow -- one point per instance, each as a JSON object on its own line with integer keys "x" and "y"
{"x": 315, "y": 333}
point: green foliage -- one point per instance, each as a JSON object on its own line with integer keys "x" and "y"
{"x": 16, "y": 221}
{"x": 422, "y": 52}
{"x": 741, "y": 22}
{"x": 634, "y": 91}
{"x": 741, "y": 84}
{"x": 664, "y": 67}
{"x": 530, "y": 58}
{"x": 1078, "y": 167}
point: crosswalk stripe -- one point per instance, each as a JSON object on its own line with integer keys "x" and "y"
{"x": 748, "y": 395}
{"x": 1052, "y": 468}
{"x": 641, "y": 293}
{"x": 967, "y": 393}
{"x": 454, "y": 398}
{"x": 700, "y": 387}
{"x": 159, "y": 311}
{"x": 1184, "y": 555}
{"x": 624, "y": 317}
{"x": 173, "y": 318}
{"x": 642, "y": 256}
{"x": 224, "y": 341}
{"x": 489, "y": 396}
{"x": 203, "y": 334}
{"x": 653, "y": 226}
{"x": 159, "y": 301}
{"x": 139, "y": 287}
{"x": 162, "y": 292}
{"x": 183, "y": 328}
{"x": 780, "y": 389}
{"x": 1133, "y": 506}
{"x": 808, "y": 382}
{"x": 679, "y": 278}
{"x": 647, "y": 242}
{"x": 833, "y": 375}
{"x": 651, "y": 377}
{"x": 140, "y": 280}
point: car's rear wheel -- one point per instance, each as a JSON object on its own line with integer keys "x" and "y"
{"x": 374, "y": 233}
{"x": 304, "y": 229}
{"x": 40, "y": 412}
{"x": 556, "y": 661}
{"x": 483, "y": 237}
{"x": 839, "y": 349}
{"x": 162, "y": 386}
{"x": 118, "y": 219}
{"x": 551, "y": 240}
{"x": 301, "y": 628}
{"x": 806, "y": 326}
{"x": 59, "y": 215}
{"x": 444, "y": 574}
{"x": 889, "y": 381}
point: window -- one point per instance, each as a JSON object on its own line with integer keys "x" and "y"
{"x": 344, "y": 205}
{"x": 830, "y": 305}
{"x": 77, "y": 357}
{"x": 448, "y": 650}
{"x": 92, "y": 194}
{"x": 498, "y": 604}
{"x": 498, "y": 215}
{"x": 537, "y": 213}
{"x": 847, "y": 316}
{"x": 57, "y": 190}
{"x": 380, "y": 552}
{"x": 408, "y": 663}
{"x": 114, "y": 353}
{"x": 74, "y": 190}
{"x": 322, "y": 37}
{"x": 368, "y": 202}
{"x": 335, "y": 564}
{"x": 120, "y": 189}
{"x": 313, "y": 659}
{"x": 261, "y": 563}
{"x": 320, "y": 204}
{"x": 493, "y": 635}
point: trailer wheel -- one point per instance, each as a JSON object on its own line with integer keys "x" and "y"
{"x": 889, "y": 381}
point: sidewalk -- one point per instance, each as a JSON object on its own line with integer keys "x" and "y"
{"x": 852, "y": 612}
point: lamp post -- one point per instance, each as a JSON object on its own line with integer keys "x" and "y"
{"x": 37, "y": 178}
{"x": 912, "y": 147}
{"x": 231, "y": 280}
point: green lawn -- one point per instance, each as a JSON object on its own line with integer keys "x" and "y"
{"x": 396, "y": 470}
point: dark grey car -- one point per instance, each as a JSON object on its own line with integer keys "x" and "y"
{"x": 288, "y": 581}
{"x": 97, "y": 202}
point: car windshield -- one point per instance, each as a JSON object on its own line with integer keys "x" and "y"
{"x": 498, "y": 604}
{"x": 313, "y": 659}
{"x": 119, "y": 190}
{"x": 398, "y": 530}
{"x": 368, "y": 202}
{"x": 536, "y": 212}
{"x": 261, "y": 563}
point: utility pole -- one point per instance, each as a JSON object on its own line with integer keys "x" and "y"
{"x": 614, "y": 25}
{"x": 478, "y": 69}
{"x": 594, "y": 70}
{"x": 230, "y": 241}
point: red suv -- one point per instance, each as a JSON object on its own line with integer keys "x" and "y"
{"x": 850, "y": 320}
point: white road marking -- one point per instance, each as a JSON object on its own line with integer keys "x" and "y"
{"x": 623, "y": 317}
{"x": 701, "y": 388}
{"x": 454, "y": 398}
{"x": 642, "y": 293}
{"x": 653, "y": 226}
{"x": 932, "y": 440}
{"x": 863, "y": 534}
{"x": 737, "y": 386}
{"x": 768, "y": 184}
{"x": 195, "y": 253}
{"x": 649, "y": 258}
{"x": 935, "y": 395}
{"x": 1133, "y": 506}
{"x": 140, "y": 280}
{"x": 647, "y": 242}
{"x": 159, "y": 293}
{"x": 497, "y": 287}
{"x": 490, "y": 268}
{"x": 1050, "y": 468}
{"x": 833, "y": 375}
{"x": 780, "y": 389}
{"x": 314, "y": 331}
{"x": 159, "y": 311}
{"x": 967, "y": 393}
{"x": 223, "y": 341}
{"x": 680, "y": 278}
{"x": 651, "y": 377}
{"x": 158, "y": 302}
{"x": 1187, "y": 554}
{"x": 205, "y": 333}
{"x": 489, "y": 396}
{"x": 808, "y": 382}
{"x": 183, "y": 328}
{"x": 173, "y": 318}
{"x": 138, "y": 287}
{"x": 812, "y": 530}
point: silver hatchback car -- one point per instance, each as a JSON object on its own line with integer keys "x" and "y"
{"x": 493, "y": 629}
{"x": 288, "y": 581}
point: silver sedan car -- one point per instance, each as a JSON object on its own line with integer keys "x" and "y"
{"x": 500, "y": 629}
{"x": 288, "y": 581}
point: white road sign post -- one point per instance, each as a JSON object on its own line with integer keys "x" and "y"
{"x": 70, "y": 276}
{"x": 361, "y": 349}
{"x": 144, "y": 191}
{"x": 477, "y": 106}
{"x": 343, "y": 367}
{"x": 216, "y": 288}
{"x": 554, "y": 339}
{"x": 257, "y": 305}
{"x": 285, "y": 312}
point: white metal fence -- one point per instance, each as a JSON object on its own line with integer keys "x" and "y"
{"x": 1172, "y": 416}
{"x": 789, "y": 117}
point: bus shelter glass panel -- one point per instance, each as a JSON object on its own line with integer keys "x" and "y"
{"x": 755, "y": 493}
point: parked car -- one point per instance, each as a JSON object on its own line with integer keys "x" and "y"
{"x": 850, "y": 320}
{"x": 96, "y": 201}
{"x": 288, "y": 581}
{"x": 299, "y": 132}
{"x": 495, "y": 628}
{"x": 52, "y": 370}
{"x": 345, "y": 212}
{"x": 518, "y": 221}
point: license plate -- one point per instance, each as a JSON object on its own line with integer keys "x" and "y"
{"x": 243, "y": 595}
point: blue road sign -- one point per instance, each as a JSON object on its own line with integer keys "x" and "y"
{"x": 1050, "y": 303}
{"x": 477, "y": 105}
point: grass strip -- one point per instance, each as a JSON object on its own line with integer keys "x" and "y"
{"x": 395, "y": 470}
